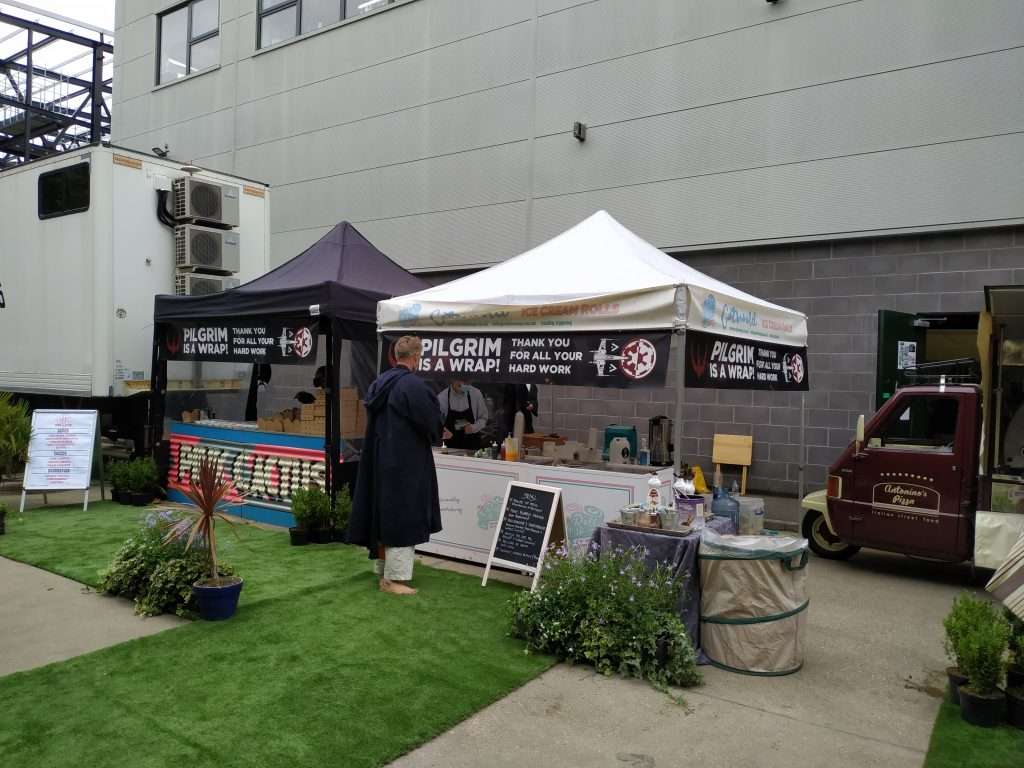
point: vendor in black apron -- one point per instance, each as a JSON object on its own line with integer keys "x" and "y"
{"x": 465, "y": 415}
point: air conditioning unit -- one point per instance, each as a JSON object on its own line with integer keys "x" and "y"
{"x": 196, "y": 284}
{"x": 205, "y": 202}
{"x": 205, "y": 248}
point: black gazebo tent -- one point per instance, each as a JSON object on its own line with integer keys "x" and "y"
{"x": 330, "y": 289}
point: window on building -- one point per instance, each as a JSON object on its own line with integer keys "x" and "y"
{"x": 189, "y": 39}
{"x": 280, "y": 20}
{"x": 64, "y": 191}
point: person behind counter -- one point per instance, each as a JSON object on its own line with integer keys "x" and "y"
{"x": 465, "y": 415}
{"x": 396, "y": 505}
{"x": 520, "y": 397}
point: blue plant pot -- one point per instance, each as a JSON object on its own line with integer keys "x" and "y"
{"x": 217, "y": 603}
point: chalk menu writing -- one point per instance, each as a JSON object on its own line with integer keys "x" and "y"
{"x": 520, "y": 539}
{"x": 60, "y": 450}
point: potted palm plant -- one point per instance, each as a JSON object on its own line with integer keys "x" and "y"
{"x": 1015, "y": 672}
{"x": 966, "y": 612}
{"x": 217, "y": 594}
{"x": 981, "y": 659}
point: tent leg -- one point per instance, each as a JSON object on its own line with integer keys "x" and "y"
{"x": 677, "y": 423}
{"x": 331, "y": 413}
{"x": 379, "y": 349}
{"x": 803, "y": 446}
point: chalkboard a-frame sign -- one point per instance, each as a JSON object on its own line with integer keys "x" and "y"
{"x": 531, "y": 517}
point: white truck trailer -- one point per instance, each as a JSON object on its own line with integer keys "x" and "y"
{"x": 87, "y": 239}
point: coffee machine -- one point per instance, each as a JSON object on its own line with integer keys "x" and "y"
{"x": 659, "y": 438}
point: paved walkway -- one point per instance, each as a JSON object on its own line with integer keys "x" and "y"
{"x": 46, "y": 618}
{"x": 867, "y": 695}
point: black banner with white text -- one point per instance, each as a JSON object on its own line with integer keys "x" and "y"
{"x": 724, "y": 362}
{"x": 630, "y": 360}
{"x": 277, "y": 343}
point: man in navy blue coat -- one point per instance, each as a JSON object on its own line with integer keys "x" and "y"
{"x": 396, "y": 505}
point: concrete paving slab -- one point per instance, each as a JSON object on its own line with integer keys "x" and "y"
{"x": 46, "y": 618}
{"x": 867, "y": 695}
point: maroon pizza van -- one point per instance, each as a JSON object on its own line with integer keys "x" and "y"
{"x": 938, "y": 471}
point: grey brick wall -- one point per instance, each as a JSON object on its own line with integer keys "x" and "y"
{"x": 841, "y": 286}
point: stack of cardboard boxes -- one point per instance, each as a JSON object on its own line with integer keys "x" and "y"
{"x": 311, "y": 419}
{"x": 353, "y": 414}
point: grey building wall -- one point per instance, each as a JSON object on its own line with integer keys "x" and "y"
{"x": 442, "y": 127}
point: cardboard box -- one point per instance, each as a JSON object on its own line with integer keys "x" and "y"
{"x": 272, "y": 424}
{"x": 353, "y": 420}
{"x": 307, "y": 413}
{"x": 293, "y": 427}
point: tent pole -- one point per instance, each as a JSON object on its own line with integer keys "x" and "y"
{"x": 157, "y": 392}
{"x": 677, "y": 423}
{"x": 379, "y": 345}
{"x": 803, "y": 446}
{"x": 330, "y": 414}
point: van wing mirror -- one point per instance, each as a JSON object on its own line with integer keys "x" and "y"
{"x": 860, "y": 432}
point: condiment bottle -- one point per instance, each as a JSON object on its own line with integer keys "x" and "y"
{"x": 653, "y": 493}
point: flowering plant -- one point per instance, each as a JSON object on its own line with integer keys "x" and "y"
{"x": 611, "y": 611}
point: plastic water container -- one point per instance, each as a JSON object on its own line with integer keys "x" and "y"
{"x": 724, "y": 505}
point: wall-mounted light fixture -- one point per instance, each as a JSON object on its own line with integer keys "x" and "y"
{"x": 579, "y": 131}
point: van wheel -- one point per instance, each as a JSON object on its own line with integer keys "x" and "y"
{"x": 823, "y": 542}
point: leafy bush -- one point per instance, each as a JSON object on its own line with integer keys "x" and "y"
{"x": 141, "y": 475}
{"x": 609, "y": 611}
{"x": 342, "y": 509}
{"x": 981, "y": 652}
{"x": 1016, "y": 639}
{"x": 15, "y": 431}
{"x": 158, "y": 576}
{"x": 117, "y": 472}
{"x": 967, "y": 612}
{"x": 311, "y": 508}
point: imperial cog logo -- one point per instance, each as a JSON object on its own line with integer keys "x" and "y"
{"x": 639, "y": 358}
{"x": 302, "y": 342}
{"x": 793, "y": 367}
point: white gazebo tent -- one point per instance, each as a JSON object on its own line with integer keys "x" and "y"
{"x": 599, "y": 277}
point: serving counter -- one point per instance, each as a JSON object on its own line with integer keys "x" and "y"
{"x": 471, "y": 491}
{"x": 266, "y": 467}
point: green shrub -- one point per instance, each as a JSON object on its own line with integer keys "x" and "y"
{"x": 15, "y": 431}
{"x": 611, "y": 612}
{"x": 1016, "y": 643}
{"x": 141, "y": 475}
{"x": 342, "y": 509}
{"x": 981, "y": 653}
{"x": 158, "y": 576}
{"x": 117, "y": 473}
{"x": 967, "y": 612}
{"x": 311, "y": 508}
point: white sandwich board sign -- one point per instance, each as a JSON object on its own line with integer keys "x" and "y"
{"x": 60, "y": 452}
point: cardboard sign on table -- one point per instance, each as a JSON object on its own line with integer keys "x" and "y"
{"x": 531, "y": 517}
{"x": 60, "y": 453}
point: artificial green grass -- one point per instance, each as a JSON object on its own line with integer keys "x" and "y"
{"x": 955, "y": 744}
{"x": 317, "y": 668}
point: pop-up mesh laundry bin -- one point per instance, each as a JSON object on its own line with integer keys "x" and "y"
{"x": 753, "y": 602}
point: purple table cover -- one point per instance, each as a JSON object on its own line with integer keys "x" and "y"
{"x": 677, "y": 552}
